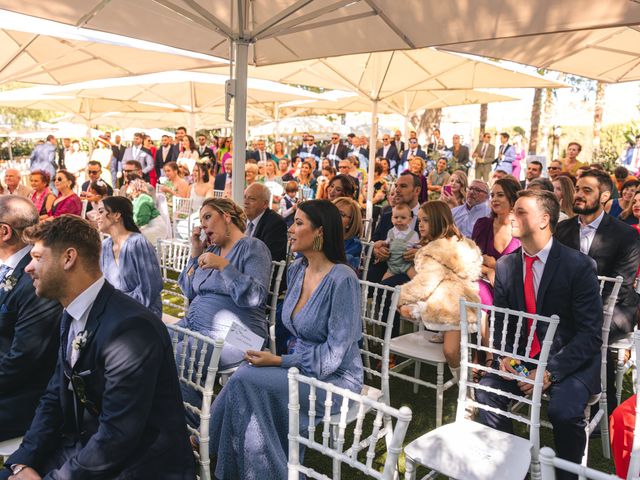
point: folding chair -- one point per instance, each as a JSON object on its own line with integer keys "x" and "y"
{"x": 550, "y": 463}
{"x": 218, "y": 194}
{"x": 85, "y": 205}
{"x": 181, "y": 217}
{"x": 197, "y": 359}
{"x": 367, "y": 445}
{"x": 163, "y": 208}
{"x": 468, "y": 450}
{"x": 9, "y": 446}
{"x": 365, "y": 259}
{"x": 173, "y": 257}
{"x": 277, "y": 271}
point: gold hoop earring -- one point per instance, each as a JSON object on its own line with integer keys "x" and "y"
{"x": 318, "y": 242}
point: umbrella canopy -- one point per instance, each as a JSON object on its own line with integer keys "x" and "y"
{"x": 610, "y": 55}
{"x": 67, "y": 54}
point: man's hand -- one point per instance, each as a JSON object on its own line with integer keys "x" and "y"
{"x": 381, "y": 250}
{"x": 27, "y": 473}
{"x": 409, "y": 254}
{"x": 527, "y": 388}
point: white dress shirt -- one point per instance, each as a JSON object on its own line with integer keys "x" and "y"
{"x": 588, "y": 232}
{"x": 465, "y": 218}
{"x": 79, "y": 310}
{"x": 538, "y": 265}
{"x": 255, "y": 222}
{"x": 13, "y": 261}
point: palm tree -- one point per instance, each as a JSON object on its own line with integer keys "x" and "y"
{"x": 536, "y": 106}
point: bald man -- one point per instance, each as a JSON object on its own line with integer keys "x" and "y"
{"x": 12, "y": 182}
{"x": 263, "y": 223}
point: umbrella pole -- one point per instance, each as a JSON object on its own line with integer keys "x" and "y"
{"x": 372, "y": 159}
{"x": 239, "y": 120}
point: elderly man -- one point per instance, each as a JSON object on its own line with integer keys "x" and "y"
{"x": 554, "y": 169}
{"x": 28, "y": 342}
{"x": 388, "y": 151}
{"x": 263, "y": 223}
{"x": 14, "y": 187}
{"x": 474, "y": 207}
{"x": 43, "y": 157}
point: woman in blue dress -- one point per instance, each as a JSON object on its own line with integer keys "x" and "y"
{"x": 128, "y": 260}
{"x": 227, "y": 277}
{"x": 322, "y": 311}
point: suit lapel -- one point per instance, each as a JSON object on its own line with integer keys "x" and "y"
{"x": 93, "y": 321}
{"x": 549, "y": 271}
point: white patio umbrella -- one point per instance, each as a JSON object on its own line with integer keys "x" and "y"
{"x": 610, "y": 55}
{"x": 34, "y": 50}
{"x": 274, "y": 31}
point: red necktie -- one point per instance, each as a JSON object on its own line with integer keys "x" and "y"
{"x": 530, "y": 302}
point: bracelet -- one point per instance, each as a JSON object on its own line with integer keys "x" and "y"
{"x": 16, "y": 469}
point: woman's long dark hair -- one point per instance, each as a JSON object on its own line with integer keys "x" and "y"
{"x": 124, "y": 207}
{"x": 323, "y": 213}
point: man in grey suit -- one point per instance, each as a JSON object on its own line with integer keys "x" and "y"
{"x": 137, "y": 153}
{"x": 483, "y": 155}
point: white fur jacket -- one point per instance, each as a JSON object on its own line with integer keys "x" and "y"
{"x": 447, "y": 269}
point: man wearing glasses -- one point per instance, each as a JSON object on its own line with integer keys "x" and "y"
{"x": 94, "y": 170}
{"x": 414, "y": 150}
{"x": 474, "y": 207}
{"x": 389, "y": 152}
{"x": 335, "y": 151}
{"x": 483, "y": 155}
{"x": 555, "y": 169}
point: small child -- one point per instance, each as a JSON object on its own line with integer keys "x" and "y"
{"x": 289, "y": 201}
{"x": 400, "y": 238}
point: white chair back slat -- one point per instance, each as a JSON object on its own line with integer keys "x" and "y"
{"x": 549, "y": 463}
{"x": 200, "y": 378}
{"x": 365, "y": 259}
{"x": 337, "y": 452}
{"x": 218, "y": 193}
{"x": 182, "y": 219}
{"x": 173, "y": 256}
{"x": 277, "y": 272}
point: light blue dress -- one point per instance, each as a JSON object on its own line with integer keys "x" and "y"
{"x": 237, "y": 293}
{"x": 137, "y": 271}
{"x": 249, "y": 419}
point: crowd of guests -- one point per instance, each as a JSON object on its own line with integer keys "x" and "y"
{"x": 438, "y": 235}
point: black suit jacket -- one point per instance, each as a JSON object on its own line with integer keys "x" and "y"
{"x": 207, "y": 152}
{"x": 463, "y": 154}
{"x": 172, "y": 155}
{"x": 392, "y": 156}
{"x": 272, "y": 230}
{"x": 130, "y": 420}
{"x": 28, "y": 350}
{"x": 255, "y": 154}
{"x": 342, "y": 151}
{"x": 615, "y": 248}
{"x": 570, "y": 289}
{"x": 220, "y": 181}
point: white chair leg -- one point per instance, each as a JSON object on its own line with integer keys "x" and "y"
{"x": 534, "y": 470}
{"x": 409, "y": 469}
{"x": 619, "y": 375}
{"x": 439, "y": 393}
{"x": 416, "y": 374}
{"x": 604, "y": 426}
{"x": 587, "y": 432}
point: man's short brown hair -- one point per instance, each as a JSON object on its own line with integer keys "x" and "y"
{"x": 547, "y": 202}
{"x": 68, "y": 231}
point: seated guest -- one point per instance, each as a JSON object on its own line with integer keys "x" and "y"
{"x": 547, "y": 278}
{"x": 132, "y": 171}
{"x": 621, "y": 427}
{"x": 437, "y": 179}
{"x": 201, "y": 186}
{"x": 128, "y": 261}
{"x": 474, "y": 207}
{"x": 351, "y": 216}
{"x": 94, "y": 170}
{"x": 322, "y": 311}
{"x": 223, "y": 179}
{"x": 66, "y": 201}
{"x": 417, "y": 167}
{"x": 493, "y": 234}
{"x": 28, "y": 342}
{"x": 95, "y": 193}
{"x": 227, "y": 278}
{"x": 263, "y": 223}
{"x": 400, "y": 239}
{"x": 613, "y": 245}
{"x": 327, "y": 173}
{"x": 288, "y": 202}
{"x": 341, "y": 186}
{"x": 538, "y": 183}
{"x": 113, "y": 407}
{"x": 616, "y": 206}
{"x": 446, "y": 267}
{"x": 564, "y": 190}
{"x": 455, "y": 192}
{"x": 620, "y": 176}
{"x": 41, "y": 195}
{"x": 174, "y": 185}
{"x": 306, "y": 180}
{"x": 13, "y": 185}
{"x": 145, "y": 214}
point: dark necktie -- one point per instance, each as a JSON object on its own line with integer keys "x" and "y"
{"x": 530, "y": 302}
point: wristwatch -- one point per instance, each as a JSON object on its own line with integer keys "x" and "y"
{"x": 17, "y": 468}
{"x": 552, "y": 377}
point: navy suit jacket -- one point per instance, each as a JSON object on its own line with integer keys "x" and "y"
{"x": 220, "y": 181}
{"x": 615, "y": 248}
{"x": 392, "y": 156}
{"x": 419, "y": 153}
{"x": 130, "y": 418}
{"x": 570, "y": 289}
{"x": 28, "y": 350}
{"x": 272, "y": 230}
{"x": 255, "y": 154}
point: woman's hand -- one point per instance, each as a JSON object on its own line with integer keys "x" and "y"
{"x": 197, "y": 246}
{"x": 262, "y": 359}
{"x": 448, "y": 198}
{"x": 409, "y": 254}
{"x": 211, "y": 260}
{"x": 165, "y": 189}
{"x": 489, "y": 261}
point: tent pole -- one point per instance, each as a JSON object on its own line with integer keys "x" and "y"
{"x": 239, "y": 120}
{"x": 372, "y": 158}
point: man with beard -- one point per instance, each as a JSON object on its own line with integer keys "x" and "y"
{"x": 614, "y": 245}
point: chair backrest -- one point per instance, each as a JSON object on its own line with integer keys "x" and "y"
{"x": 218, "y": 194}
{"x": 85, "y": 204}
{"x": 608, "y": 306}
{"x": 378, "y": 309}
{"x": 337, "y": 450}
{"x": 197, "y": 358}
{"x": 505, "y": 329}
{"x": 634, "y": 463}
{"x": 181, "y": 207}
{"x": 365, "y": 259}
{"x": 367, "y": 229}
{"x": 277, "y": 271}
{"x": 163, "y": 208}
{"x": 173, "y": 257}
{"x": 549, "y": 463}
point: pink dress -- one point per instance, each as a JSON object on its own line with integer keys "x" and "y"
{"x": 483, "y": 236}
{"x": 71, "y": 205}
{"x": 517, "y": 161}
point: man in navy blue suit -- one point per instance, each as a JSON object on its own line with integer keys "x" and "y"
{"x": 414, "y": 150}
{"x": 113, "y": 407}
{"x": 28, "y": 349}
{"x": 565, "y": 283}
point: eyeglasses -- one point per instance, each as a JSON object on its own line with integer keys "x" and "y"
{"x": 129, "y": 171}
{"x": 94, "y": 172}
{"x": 554, "y": 168}
{"x": 343, "y": 167}
{"x": 334, "y": 138}
{"x": 413, "y": 143}
{"x": 477, "y": 190}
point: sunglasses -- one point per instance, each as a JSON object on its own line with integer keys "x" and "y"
{"x": 60, "y": 179}
{"x": 554, "y": 168}
{"x": 95, "y": 172}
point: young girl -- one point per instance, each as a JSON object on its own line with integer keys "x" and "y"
{"x": 400, "y": 238}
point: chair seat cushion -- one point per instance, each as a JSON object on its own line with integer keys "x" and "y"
{"x": 417, "y": 346}
{"x": 471, "y": 451}
{"x": 9, "y": 446}
{"x": 625, "y": 343}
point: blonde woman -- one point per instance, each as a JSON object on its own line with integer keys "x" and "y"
{"x": 455, "y": 192}
{"x": 564, "y": 190}
{"x": 351, "y": 216}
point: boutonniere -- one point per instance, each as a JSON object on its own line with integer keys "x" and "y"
{"x": 8, "y": 283}
{"x": 80, "y": 340}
